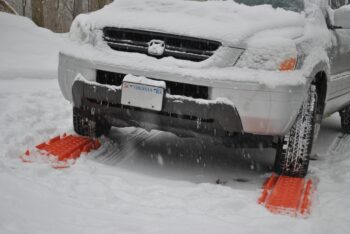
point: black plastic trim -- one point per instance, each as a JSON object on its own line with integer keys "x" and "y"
{"x": 178, "y": 114}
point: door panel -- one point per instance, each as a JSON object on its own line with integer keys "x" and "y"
{"x": 340, "y": 61}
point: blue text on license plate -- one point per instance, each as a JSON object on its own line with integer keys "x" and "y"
{"x": 143, "y": 96}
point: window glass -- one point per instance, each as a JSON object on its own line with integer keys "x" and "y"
{"x": 335, "y": 4}
{"x": 292, "y": 5}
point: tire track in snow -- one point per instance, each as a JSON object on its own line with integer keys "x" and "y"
{"x": 341, "y": 145}
{"x": 338, "y": 163}
{"x": 121, "y": 146}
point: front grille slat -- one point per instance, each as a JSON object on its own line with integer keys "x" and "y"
{"x": 187, "y": 50}
{"x": 184, "y": 56}
{"x": 173, "y": 88}
{"x": 127, "y": 47}
{"x": 179, "y": 47}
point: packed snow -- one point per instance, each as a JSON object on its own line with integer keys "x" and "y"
{"x": 139, "y": 182}
{"x": 144, "y": 80}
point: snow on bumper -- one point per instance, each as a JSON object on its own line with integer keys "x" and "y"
{"x": 267, "y": 102}
{"x": 179, "y": 115}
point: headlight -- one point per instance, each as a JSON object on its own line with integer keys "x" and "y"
{"x": 80, "y": 29}
{"x": 272, "y": 54}
{"x": 289, "y": 64}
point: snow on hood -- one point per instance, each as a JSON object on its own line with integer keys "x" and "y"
{"x": 225, "y": 21}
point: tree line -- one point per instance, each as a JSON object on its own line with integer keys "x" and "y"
{"x": 56, "y": 15}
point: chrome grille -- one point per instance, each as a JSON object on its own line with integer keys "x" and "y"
{"x": 179, "y": 47}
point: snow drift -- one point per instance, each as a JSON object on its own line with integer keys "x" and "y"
{"x": 27, "y": 50}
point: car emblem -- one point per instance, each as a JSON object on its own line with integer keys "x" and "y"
{"x": 156, "y": 47}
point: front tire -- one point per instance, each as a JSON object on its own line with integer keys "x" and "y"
{"x": 294, "y": 149}
{"x": 345, "y": 119}
{"x": 86, "y": 125}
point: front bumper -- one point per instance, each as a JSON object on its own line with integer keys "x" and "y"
{"x": 263, "y": 108}
{"x": 184, "y": 117}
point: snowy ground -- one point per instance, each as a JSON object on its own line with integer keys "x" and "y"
{"x": 138, "y": 182}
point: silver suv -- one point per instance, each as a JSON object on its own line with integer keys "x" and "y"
{"x": 250, "y": 72}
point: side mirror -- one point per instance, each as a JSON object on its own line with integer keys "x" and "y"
{"x": 342, "y": 17}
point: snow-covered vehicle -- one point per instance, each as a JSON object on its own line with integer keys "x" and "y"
{"x": 252, "y": 72}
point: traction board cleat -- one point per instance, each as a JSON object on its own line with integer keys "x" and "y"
{"x": 287, "y": 195}
{"x": 62, "y": 149}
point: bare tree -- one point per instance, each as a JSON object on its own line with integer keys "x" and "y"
{"x": 38, "y": 12}
{"x": 24, "y": 5}
{"x": 77, "y": 7}
{"x": 7, "y": 7}
{"x": 67, "y": 6}
{"x": 56, "y": 15}
{"x": 97, "y": 4}
{"x": 51, "y": 9}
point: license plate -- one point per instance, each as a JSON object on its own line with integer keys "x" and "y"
{"x": 143, "y": 96}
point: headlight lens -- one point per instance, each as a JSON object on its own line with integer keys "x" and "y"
{"x": 80, "y": 29}
{"x": 288, "y": 64}
{"x": 275, "y": 54}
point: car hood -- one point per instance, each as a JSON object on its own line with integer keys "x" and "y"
{"x": 224, "y": 21}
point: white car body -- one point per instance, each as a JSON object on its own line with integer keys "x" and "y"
{"x": 243, "y": 72}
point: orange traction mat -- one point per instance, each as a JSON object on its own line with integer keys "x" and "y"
{"x": 287, "y": 195}
{"x": 64, "y": 148}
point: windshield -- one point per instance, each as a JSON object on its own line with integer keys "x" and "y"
{"x": 292, "y": 5}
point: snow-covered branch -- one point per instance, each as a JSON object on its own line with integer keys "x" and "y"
{"x": 7, "y": 7}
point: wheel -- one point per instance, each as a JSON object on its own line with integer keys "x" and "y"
{"x": 89, "y": 126}
{"x": 294, "y": 149}
{"x": 345, "y": 119}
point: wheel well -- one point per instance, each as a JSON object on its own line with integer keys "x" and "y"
{"x": 321, "y": 87}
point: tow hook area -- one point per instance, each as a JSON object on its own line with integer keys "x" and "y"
{"x": 61, "y": 151}
{"x": 287, "y": 195}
